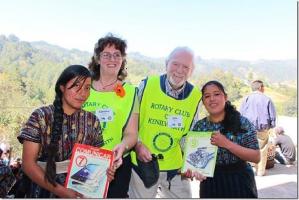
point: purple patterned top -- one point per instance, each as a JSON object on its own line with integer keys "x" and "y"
{"x": 81, "y": 126}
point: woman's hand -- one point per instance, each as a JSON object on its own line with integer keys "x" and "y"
{"x": 219, "y": 140}
{"x": 193, "y": 174}
{"x": 187, "y": 174}
{"x": 37, "y": 174}
{"x": 63, "y": 192}
{"x": 118, "y": 150}
{"x": 244, "y": 153}
{"x": 110, "y": 173}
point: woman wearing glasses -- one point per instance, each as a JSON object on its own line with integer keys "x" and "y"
{"x": 115, "y": 104}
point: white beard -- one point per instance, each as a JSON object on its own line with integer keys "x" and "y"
{"x": 174, "y": 83}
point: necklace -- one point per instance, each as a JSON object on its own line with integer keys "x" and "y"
{"x": 105, "y": 86}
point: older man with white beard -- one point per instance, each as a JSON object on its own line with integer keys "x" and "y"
{"x": 168, "y": 108}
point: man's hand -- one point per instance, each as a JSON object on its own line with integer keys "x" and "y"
{"x": 143, "y": 153}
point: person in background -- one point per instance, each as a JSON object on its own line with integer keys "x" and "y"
{"x": 260, "y": 111}
{"x": 115, "y": 103}
{"x": 168, "y": 108}
{"x": 21, "y": 188}
{"x": 7, "y": 178}
{"x": 16, "y": 169}
{"x": 237, "y": 143}
{"x": 6, "y": 155}
{"x": 286, "y": 153}
{"x": 51, "y": 132}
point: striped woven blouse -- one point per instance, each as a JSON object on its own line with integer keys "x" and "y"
{"x": 79, "y": 127}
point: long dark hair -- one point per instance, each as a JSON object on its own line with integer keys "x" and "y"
{"x": 108, "y": 40}
{"x": 231, "y": 121}
{"x": 74, "y": 71}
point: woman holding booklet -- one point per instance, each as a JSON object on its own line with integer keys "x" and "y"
{"x": 237, "y": 143}
{"x": 115, "y": 103}
{"x": 51, "y": 132}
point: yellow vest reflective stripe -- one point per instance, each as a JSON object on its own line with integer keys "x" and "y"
{"x": 156, "y": 109}
{"x": 121, "y": 107}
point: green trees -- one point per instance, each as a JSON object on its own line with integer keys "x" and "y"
{"x": 15, "y": 107}
{"x": 287, "y": 102}
{"x": 28, "y": 72}
{"x": 233, "y": 85}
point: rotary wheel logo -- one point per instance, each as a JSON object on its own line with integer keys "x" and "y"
{"x": 162, "y": 142}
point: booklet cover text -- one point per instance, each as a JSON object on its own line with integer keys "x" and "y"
{"x": 87, "y": 171}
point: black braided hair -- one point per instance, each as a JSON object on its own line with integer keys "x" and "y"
{"x": 74, "y": 71}
{"x": 231, "y": 121}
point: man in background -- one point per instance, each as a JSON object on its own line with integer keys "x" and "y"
{"x": 286, "y": 153}
{"x": 260, "y": 110}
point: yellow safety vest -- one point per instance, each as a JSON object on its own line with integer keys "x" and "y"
{"x": 156, "y": 129}
{"x": 115, "y": 109}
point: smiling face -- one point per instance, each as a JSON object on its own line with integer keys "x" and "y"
{"x": 179, "y": 68}
{"x": 214, "y": 100}
{"x": 110, "y": 60}
{"x": 75, "y": 93}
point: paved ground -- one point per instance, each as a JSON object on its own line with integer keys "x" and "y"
{"x": 279, "y": 182}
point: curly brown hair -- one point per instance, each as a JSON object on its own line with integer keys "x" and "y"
{"x": 108, "y": 40}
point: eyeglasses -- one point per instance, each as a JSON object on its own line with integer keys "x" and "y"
{"x": 108, "y": 56}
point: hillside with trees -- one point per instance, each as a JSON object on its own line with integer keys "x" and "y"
{"x": 28, "y": 72}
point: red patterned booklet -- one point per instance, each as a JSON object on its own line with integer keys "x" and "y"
{"x": 87, "y": 171}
